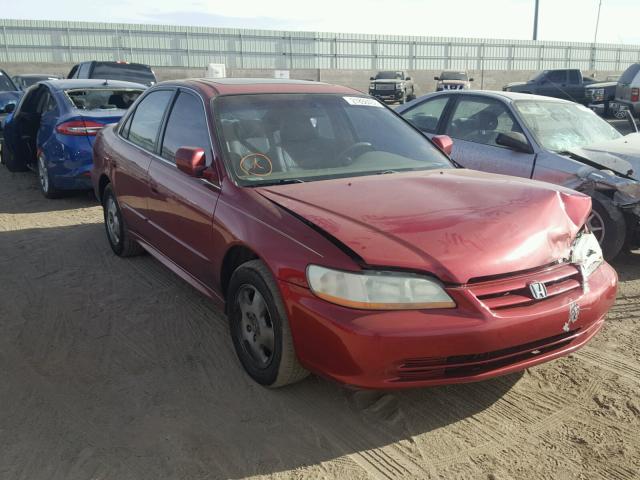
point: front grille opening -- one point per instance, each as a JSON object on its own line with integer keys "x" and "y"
{"x": 416, "y": 369}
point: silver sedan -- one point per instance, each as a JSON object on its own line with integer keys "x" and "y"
{"x": 544, "y": 139}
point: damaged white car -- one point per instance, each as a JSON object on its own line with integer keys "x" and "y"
{"x": 544, "y": 139}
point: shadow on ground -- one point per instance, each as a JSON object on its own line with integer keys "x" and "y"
{"x": 35, "y": 202}
{"x": 114, "y": 368}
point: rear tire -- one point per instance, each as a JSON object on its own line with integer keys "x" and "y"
{"x": 46, "y": 186}
{"x": 117, "y": 232}
{"x": 260, "y": 328}
{"x": 608, "y": 225}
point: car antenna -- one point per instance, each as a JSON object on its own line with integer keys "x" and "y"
{"x": 106, "y": 82}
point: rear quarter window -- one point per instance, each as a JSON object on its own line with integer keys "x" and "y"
{"x": 630, "y": 73}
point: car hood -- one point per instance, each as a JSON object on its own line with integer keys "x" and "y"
{"x": 388, "y": 80}
{"x": 457, "y": 224}
{"x": 601, "y": 85}
{"x": 621, "y": 155}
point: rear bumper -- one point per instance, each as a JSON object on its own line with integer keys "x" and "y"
{"x": 392, "y": 350}
{"x": 633, "y": 107}
{"x": 73, "y": 170}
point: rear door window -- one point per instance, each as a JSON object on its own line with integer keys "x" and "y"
{"x": 186, "y": 127}
{"x": 557, "y": 76}
{"x": 426, "y": 116}
{"x": 147, "y": 119}
{"x": 574, "y": 77}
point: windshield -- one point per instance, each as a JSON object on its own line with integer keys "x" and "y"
{"x": 560, "y": 126}
{"x": 538, "y": 76}
{"x": 270, "y": 139}
{"x": 129, "y": 72}
{"x": 6, "y": 85}
{"x": 453, "y": 76}
{"x": 102, "y": 98}
{"x": 389, "y": 75}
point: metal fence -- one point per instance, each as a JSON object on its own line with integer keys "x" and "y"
{"x": 176, "y": 46}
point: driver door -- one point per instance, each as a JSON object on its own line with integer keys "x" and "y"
{"x": 474, "y": 125}
{"x": 25, "y": 125}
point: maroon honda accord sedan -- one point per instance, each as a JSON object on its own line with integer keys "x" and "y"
{"x": 341, "y": 241}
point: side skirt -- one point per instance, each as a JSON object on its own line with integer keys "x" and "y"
{"x": 179, "y": 271}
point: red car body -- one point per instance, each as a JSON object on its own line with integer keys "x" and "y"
{"x": 485, "y": 237}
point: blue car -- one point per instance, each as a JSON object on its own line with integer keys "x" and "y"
{"x": 9, "y": 97}
{"x": 53, "y": 128}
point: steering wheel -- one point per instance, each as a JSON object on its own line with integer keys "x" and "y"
{"x": 349, "y": 154}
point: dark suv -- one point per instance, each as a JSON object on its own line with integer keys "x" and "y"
{"x": 125, "y": 71}
{"x": 392, "y": 86}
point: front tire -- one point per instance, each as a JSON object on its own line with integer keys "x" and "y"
{"x": 117, "y": 232}
{"x": 607, "y": 223}
{"x": 260, "y": 328}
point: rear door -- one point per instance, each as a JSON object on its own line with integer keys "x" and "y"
{"x": 575, "y": 88}
{"x": 474, "y": 125}
{"x": 181, "y": 207}
{"x": 554, "y": 84}
{"x": 131, "y": 158}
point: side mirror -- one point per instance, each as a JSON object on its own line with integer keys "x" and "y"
{"x": 471, "y": 79}
{"x": 9, "y": 108}
{"x": 191, "y": 161}
{"x": 408, "y": 78}
{"x": 443, "y": 142}
{"x": 371, "y": 78}
{"x": 436, "y": 78}
{"x": 515, "y": 141}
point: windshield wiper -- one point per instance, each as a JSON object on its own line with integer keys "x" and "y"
{"x": 282, "y": 181}
{"x": 385, "y": 172}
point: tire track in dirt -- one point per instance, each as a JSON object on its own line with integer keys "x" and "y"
{"x": 611, "y": 362}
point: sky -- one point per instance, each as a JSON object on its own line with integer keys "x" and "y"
{"x": 560, "y": 20}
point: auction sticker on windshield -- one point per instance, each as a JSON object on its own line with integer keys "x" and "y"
{"x": 362, "y": 101}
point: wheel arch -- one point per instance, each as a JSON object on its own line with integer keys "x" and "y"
{"x": 102, "y": 184}
{"x": 235, "y": 256}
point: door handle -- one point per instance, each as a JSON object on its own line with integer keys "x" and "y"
{"x": 154, "y": 187}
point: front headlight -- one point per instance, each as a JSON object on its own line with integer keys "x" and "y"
{"x": 377, "y": 290}
{"x": 586, "y": 253}
{"x": 372, "y": 86}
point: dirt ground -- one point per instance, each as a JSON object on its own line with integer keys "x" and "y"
{"x": 116, "y": 369}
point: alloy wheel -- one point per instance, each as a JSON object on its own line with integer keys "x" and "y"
{"x": 256, "y": 328}
{"x": 43, "y": 174}
{"x": 596, "y": 225}
{"x": 113, "y": 221}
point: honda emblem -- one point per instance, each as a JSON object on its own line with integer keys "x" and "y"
{"x": 538, "y": 290}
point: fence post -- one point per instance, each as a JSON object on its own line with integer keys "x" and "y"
{"x": 69, "y": 45}
{"x": 6, "y": 42}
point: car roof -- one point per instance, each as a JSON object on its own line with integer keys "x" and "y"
{"x": 237, "y": 86}
{"x": 32, "y": 75}
{"x": 90, "y": 83}
{"x": 499, "y": 95}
